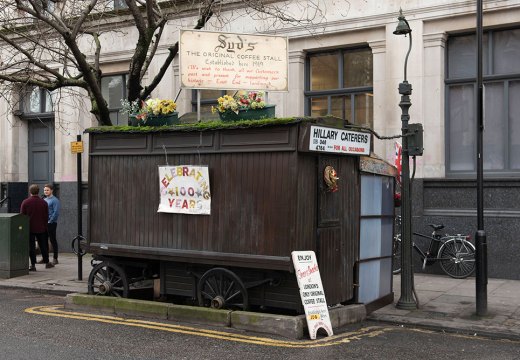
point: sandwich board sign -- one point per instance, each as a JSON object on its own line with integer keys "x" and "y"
{"x": 311, "y": 292}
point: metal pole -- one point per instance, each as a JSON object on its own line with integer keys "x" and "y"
{"x": 406, "y": 301}
{"x": 198, "y": 105}
{"x": 480, "y": 238}
{"x": 80, "y": 213}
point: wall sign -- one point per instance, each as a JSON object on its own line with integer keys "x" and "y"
{"x": 217, "y": 60}
{"x": 333, "y": 140}
{"x": 184, "y": 189}
{"x": 76, "y": 147}
{"x": 311, "y": 292}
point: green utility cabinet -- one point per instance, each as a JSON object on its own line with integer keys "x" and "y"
{"x": 14, "y": 245}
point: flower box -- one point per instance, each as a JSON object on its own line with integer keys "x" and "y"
{"x": 248, "y": 114}
{"x": 154, "y": 120}
{"x": 152, "y": 112}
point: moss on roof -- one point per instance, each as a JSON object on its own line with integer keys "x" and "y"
{"x": 218, "y": 124}
{"x": 201, "y": 126}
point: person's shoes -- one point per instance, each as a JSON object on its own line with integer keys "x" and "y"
{"x": 55, "y": 262}
{"x": 49, "y": 265}
{"x": 32, "y": 268}
{"x": 41, "y": 262}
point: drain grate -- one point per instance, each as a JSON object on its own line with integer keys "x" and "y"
{"x": 435, "y": 314}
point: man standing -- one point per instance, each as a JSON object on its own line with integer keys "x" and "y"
{"x": 54, "y": 212}
{"x": 38, "y": 212}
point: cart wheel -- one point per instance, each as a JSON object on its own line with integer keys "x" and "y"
{"x": 108, "y": 279}
{"x": 220, "y": 288}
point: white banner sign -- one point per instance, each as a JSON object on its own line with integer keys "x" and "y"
{"x": 339, "y": 141}
{"x": 184, "y": 189}
{"x": 216, "y": 60}
{"x": 311, "y": 292}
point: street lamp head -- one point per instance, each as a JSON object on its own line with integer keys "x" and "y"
{"x": 403, "y": 28}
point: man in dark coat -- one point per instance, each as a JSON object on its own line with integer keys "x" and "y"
{"x": 38, "y": 211}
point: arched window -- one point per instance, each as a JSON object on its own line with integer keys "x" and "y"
{"x": 36, "y": 100}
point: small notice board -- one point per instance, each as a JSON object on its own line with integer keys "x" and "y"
{"x": 76, "y": 147}
{"x": 311, "y": 292}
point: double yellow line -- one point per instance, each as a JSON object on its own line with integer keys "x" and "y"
{"x": 57, "y": 310}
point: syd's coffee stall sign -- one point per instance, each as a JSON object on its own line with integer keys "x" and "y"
{"x": 311, "y": 292}
{"x": 324, "y": 139}
{"x": 216, "y": 60}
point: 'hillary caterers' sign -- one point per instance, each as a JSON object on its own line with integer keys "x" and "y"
{"x": 332, "y": 140}
{"x": 217, "y": 60}
{"x": 184, "y": 189}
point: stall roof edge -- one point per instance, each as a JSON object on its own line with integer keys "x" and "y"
{"x": 329, "y": 121}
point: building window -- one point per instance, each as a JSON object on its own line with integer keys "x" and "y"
{"x": 36, "y": 100}
{"x": 50, "y": 6}
{"x": 501, "y": 77}
{"x": 120, "y": 4}
{"x": 113, "y": 88}
{"x": 208, "y": 98}
{"x": 339, "y": 83}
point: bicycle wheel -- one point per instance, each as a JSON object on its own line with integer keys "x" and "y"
{"x": 457, "y": 258}
{"x": 396, "y": 253}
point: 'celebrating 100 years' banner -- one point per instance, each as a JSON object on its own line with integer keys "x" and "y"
{"x": 216, "y": 60}
{"x": 184, "y": 189}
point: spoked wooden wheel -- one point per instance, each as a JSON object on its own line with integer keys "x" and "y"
{"x": 108, "y": 279}
{"x": 220, "y": 288}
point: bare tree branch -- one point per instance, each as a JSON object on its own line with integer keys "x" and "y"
{"x": 60, "y": 44}
{"x": 205, "y": 15}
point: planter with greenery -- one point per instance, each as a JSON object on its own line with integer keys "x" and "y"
{"x": 244, "y": 106}
{"x": 152, "y": 112}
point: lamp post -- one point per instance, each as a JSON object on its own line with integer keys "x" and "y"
{"x": 480, "y": 238}
{"x": 406, "y": 301}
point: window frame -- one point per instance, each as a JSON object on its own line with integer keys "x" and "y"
{"x": 212, "y": 101}
{"x": 27, "y": 91}
{"x": 489, "y": 79}
{"x": 124, "y": 96}
{"x": 341, "y": 91}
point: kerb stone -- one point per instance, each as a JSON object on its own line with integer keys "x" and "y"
{"x": 149, "y": 309}
{"x": 287, "y": 326}
{"x": 349, "y": 314}
{"x": 103, "y": 304}
{"x": 199, "y": 315}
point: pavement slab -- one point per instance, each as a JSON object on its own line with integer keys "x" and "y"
{"x": 450, "y": 305}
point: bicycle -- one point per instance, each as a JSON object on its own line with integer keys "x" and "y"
{"x": 454, "y": 252}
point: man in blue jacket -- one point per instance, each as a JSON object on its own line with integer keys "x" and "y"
{"x": 54, "y": 212}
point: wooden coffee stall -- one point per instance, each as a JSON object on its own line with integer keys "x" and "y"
{"x": 275, "y": 187}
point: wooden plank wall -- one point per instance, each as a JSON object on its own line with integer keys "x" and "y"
{"x": 338, "y": 228}
{"x": 253, "y": 197}
{"x": 254, "y": 179}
